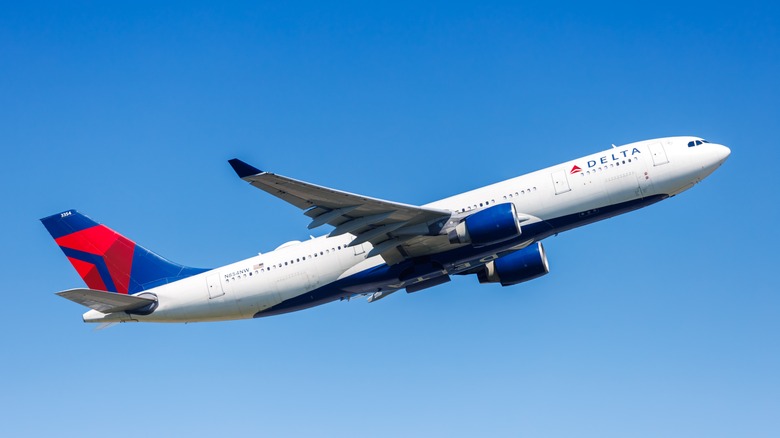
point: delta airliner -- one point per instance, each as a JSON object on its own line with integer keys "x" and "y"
{"x": 378, "y": 247}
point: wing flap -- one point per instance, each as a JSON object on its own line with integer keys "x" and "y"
{"x": 105, "y": 302}
{"x": 328, "y": 215}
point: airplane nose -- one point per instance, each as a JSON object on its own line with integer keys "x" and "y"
{"x": 714, "y": 156}
{"x": 721, "y": 153}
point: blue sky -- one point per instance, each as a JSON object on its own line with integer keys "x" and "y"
{"x": 662, "y": 322}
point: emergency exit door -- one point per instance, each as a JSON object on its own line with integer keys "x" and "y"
{"x": 215, "y": 287}
{"x": 560, "y": 182}
{"x": 658, "y": 153}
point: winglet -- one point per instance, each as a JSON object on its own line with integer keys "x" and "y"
{"x": 242, "y": 169}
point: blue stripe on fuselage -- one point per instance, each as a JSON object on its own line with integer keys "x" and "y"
{"x": 383, "y": 275}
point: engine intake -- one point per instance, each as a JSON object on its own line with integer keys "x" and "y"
{"x": 491, "y": 225}
{"x": 522, "y": 265}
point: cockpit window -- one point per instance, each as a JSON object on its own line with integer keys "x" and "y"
{"x": 696, "y": 143}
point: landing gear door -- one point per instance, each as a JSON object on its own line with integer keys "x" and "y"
{"x": 215, "y": 287}
{"x": 658, "y": 153}
{"x": 560, "y": 182}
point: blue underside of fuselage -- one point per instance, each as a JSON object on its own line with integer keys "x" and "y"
{"x": 379, "y": 277}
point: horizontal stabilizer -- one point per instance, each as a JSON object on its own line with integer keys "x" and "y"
{"x": 105, "y": 302}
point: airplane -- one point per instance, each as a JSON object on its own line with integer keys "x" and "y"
{"x": 378, "y": 247}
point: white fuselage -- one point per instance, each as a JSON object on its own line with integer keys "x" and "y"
{"x": 561, "y": 197}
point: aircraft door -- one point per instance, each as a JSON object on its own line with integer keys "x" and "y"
{"x": 215, "y": 287}
{"x": 560, "y": 182}
{"x": 658, "y": 153}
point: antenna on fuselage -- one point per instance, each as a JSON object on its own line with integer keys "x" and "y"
{"x": 613, "y": 145}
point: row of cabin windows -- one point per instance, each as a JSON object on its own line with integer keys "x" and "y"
{"x": 292, "y": 261}
{"x": 493, "y": 201}
{"x": 605, "y": 167}
{"x": 523, "y": 192}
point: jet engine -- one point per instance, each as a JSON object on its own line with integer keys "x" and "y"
{"x": 517, "y": 267}
{"x": 491, "y": 225}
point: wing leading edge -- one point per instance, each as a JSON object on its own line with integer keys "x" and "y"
{"x": 385, "y": 224}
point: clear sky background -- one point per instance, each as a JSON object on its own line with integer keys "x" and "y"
{"x": 663, "y": 322}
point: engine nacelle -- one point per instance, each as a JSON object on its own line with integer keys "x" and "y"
{"x": 517, "y": 267}
{"x": 491, "y": 225}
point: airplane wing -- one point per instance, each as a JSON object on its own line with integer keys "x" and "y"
{"x": 385, "y": 224}
{"x": 105, "y": 302}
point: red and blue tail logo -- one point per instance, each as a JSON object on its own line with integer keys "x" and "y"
{"x": 108, "y": 261}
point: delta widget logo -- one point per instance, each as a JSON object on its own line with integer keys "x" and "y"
{"x": 606, "y": 159}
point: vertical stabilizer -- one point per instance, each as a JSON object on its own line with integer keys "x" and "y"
{"x": 108, "y": 261}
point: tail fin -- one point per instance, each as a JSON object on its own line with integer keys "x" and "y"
{"x": 108, "y": 261}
